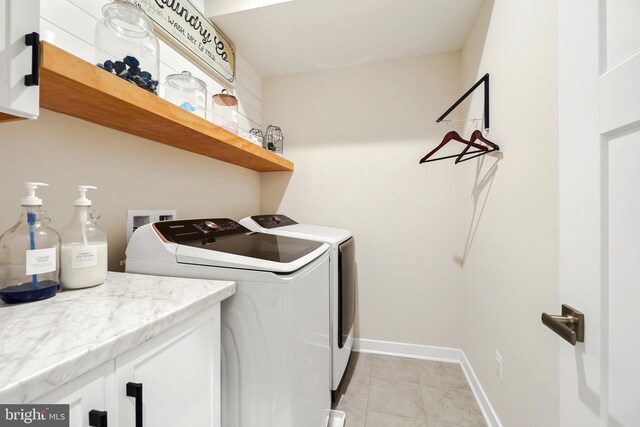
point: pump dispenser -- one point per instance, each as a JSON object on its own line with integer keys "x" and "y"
{"x": 84, "y": 246}
{"x": 29, "y": 254}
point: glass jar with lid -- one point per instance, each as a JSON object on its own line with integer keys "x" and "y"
{"x": 126, "y": 45}
{"x": 225, "y": 111}
{"x": 187, "y": 92}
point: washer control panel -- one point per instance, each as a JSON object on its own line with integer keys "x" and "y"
{"x": 189, "y": 230}
{"x": 273, "y": 220}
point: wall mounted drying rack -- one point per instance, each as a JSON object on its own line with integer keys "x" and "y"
{"x": 477, "y": 135}
{"x": 485, "y": 80}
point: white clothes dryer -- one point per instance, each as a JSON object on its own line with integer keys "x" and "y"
{"x": 342, "y": 281}
{"x": 275, "y": 329}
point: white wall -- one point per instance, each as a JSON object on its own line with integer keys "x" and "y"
{"x": 463, "y": 256}
{"x": 131, "y": 172}
{"x": 356, "y": 135}
{"x": 511, "y": 267}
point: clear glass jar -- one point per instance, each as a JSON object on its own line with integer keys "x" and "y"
{"x": 126, "y": 45}
{"x": 187, "y": 92}
{"x": 83, "y": 253}
{"x": 225, "y": 111}
{"x": 34, "y": 276}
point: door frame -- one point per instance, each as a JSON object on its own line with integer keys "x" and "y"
{"x": 581, "y": 196}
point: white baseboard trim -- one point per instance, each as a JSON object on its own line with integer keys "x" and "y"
{"x": 440, "y": 354}
{"x": 388, "y": 348}
{"x": 485, "y": 405}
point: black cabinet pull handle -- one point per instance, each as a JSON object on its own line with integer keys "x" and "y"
{"x": 98, "y": 418}
{"x": 33, "y": 40}
{"x": 135, "y": 390}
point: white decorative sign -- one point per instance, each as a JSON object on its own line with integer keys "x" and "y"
{"x": 186, "y": 27}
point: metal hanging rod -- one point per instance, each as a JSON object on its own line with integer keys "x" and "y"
{"x": 485, "y": 80}
{"x": 460, "y": 120}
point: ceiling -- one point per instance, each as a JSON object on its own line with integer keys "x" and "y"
{"x": 306, "y": 35}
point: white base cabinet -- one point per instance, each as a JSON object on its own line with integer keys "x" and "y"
{"x": 177, "y": 372}
{"x": 180, "y": 379}
{"x": 94, "y": 390}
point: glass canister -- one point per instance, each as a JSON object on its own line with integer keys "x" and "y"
{"x": 256, "y": 136}
{"x": 126, "y": 45}
{"x": 225, "y": 111}
{"x": 187, "y": 92}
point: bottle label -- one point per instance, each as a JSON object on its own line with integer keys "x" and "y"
{"x": 84, "y": 256}
{"x": 40, "y": 261}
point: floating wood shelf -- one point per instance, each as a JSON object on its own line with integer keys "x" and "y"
{"x": 72, "y": 86}
{"x": 8, "y": 117}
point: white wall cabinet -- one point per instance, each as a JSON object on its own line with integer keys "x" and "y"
{"x": 177, "y": 371}
{"x": 19, "y": 97}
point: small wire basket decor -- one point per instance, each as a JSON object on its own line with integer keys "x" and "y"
{"x": 273, "y": 139}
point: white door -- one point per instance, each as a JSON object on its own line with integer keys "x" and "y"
{"x": 18, "y": 98}
{"x": 599, "y": 89}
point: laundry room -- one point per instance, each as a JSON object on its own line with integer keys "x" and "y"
{"x": 304, "y": 213}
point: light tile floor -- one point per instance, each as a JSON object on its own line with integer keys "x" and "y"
{"x": 384, "y": 391}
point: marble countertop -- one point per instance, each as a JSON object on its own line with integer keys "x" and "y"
{"x": 46, "y": 344}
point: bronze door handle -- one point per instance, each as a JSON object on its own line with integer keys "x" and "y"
{"x": 570, "y": 325}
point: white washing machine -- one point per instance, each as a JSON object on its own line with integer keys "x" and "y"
{"x": 275, "y": 329}
{"x": 342, "y": 279}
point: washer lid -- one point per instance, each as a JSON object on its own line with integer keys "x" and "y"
{"x": 254, "y": 251}
{"x": 225, "y": 243}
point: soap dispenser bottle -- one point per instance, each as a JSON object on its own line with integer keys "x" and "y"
{"x": 29, "y": 254}
{"x": 84, "y": 247}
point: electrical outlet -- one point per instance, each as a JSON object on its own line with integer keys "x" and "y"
{"x": 138, "y": 218}
{"x": 498, "y": 365}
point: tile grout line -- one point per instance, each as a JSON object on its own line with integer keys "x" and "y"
{"x": 366, "y": 409}
{"x": 415, "y": 362}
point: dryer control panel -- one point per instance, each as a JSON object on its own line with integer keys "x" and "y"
{"x": 189, "y": 230}
{"x": 273, "y": 220}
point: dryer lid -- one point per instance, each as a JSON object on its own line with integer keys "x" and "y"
{"x": 315, "y": 232}
{"x": 273, "y": 220}
{"x": 285, "y": 226}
